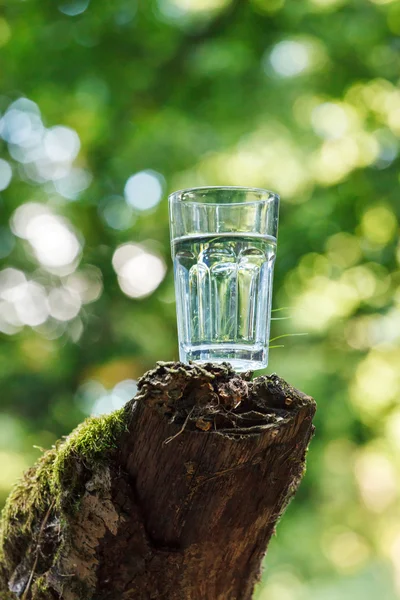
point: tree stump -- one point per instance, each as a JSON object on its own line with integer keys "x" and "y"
{"x": 174, "y": 497}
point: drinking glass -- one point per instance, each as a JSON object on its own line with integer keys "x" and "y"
{"x": 223, "y": 247}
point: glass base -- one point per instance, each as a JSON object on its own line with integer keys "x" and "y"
{"x": 241, "y": 357}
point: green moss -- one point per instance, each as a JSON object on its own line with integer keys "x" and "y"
{"x": 27, "y": 500}
{"x": 89, "y": 443}
{"x": 56, "y": 482}
{"x": 40, "y": 588}
{"x": 41, "y": 584}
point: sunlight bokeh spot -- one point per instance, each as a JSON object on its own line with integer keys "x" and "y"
{"x": 379, "y": 225}
{"x": 31, "y": 306}
{"x": 388, "y": 147}
{"x": 87, "y": 394}
{"x": 47, "y": 154}
{"x": 87, "y": 283}
{"x": 5, "y": 174}
{"x": 144, "y": 190}
{"x": 329, "y": 120}
{"x": 322, "y": 302}
{"x": 53, "y": 242}
{"x": 7, "y": 242}
{"x": 73, "y": 183}
{"x": 376, "y": 384}
{"x": 313, "y": 264}
{"x": 27, "y": 155}
{"x": 64, "y": 304}
{"x": 267, "y": 158}
{"x": 123, "y": 392}
{"x": 290, "y": 58}
{"x": 362, "y": 279}
{"x": 103, "y": 406}
{"x": 44, "y": 169}
{"x": 359, "y": 333}
{"x": 9, "y": 322}
{"x": 393, "y": 120}
{"x": 283, "y": 584}
{"x": 343, "y": 249}
{"x": 97, "y": 400}
{"x": 21, "y": 124}
{"x": 392, "y": 430}
{"x": 376, "y": 477}
{"x": 61, "y": 143}
{"x": 139, "y": 271}
{"x": 116, "y": 213}
{"x": 368, "y": 148}
{"x": 346, "y": 549}
{"x": 9, "y": 316}
{"x": 335, "y": 160}
{"x": 182, "y": 8}
{"x": 74, "y": 8}
{"x": 52, "y": 239}
{"x": 51, "y": 330}
{"x": 24, "y": 214}
{"x": 12, "y": 283}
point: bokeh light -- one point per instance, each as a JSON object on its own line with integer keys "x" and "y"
{"x": 61, "y": 144}
{"x": 7, "y": 242}
{"x": 290, "y": 58}
{"x": 96, "y": 400}
{"x": 5, "y": 174}
{"x": 116, "y": 213}
{"x": 346, "y": 549}
{"x": 379, "y": 225}
{"x": 64, "y": 305}
{"x": 139, "y": 271}
{"x": 46, "y": 154}
{"x": 87, "y": 283}
{"x": 55, "y": 245}
{"x": 51, "y": 237}
{"x": 329, "y": 120}
{"x": 21, "y": 124}
{"x": 73, "y": 183}
{"x": 185, "y": 8}
{"x": 76, "y": 7}
{"x": 144, "y": 190}
{"x": 377, "y": 480}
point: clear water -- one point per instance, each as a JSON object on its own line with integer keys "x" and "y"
{"x": 223, "y": 289}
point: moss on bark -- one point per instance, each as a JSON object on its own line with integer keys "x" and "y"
{"x": 48, "y": 493}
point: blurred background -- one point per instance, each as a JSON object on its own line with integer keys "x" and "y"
{"x": 107, "y": 107}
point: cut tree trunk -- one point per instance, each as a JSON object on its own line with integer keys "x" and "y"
{"x": 175, "y": 496}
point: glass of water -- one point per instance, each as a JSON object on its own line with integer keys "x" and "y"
{"x": 223, "y": 247}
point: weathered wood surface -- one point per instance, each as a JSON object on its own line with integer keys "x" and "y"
{"x": 175, "y": 497}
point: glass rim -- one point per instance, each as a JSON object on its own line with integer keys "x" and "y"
{"x": 271, "y": 196}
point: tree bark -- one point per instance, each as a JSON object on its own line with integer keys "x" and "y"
{"x": 174, "y": 497}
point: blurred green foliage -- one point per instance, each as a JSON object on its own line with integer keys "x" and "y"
{"x": 298, "y": 97}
